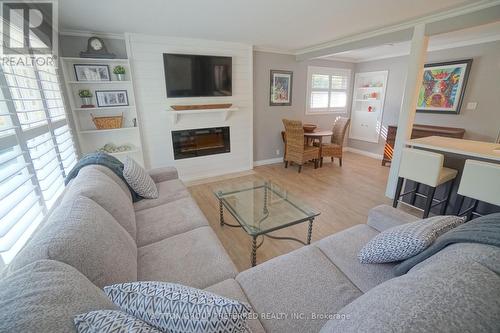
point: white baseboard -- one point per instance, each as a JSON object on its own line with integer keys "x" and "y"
{"x": 269, "y": 161}
{"x": 364, "y": 152}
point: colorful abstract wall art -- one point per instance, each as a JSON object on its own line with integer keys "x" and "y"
{"x": 443, "y": 86}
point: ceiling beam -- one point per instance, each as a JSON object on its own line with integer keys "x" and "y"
{"x": 479, "y": 13}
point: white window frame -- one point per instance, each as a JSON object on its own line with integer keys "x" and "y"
{"x": 62, "y": 147}
{"x": 311, "y": 70}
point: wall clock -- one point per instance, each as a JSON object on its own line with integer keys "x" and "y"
{"x": 96, "y": 49}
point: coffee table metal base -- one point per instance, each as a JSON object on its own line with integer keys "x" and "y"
{"x": 255, "y": 245}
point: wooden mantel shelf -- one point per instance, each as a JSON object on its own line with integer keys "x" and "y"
{"x": 224, "y": 112}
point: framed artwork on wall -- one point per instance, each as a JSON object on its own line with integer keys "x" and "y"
{"x": 84, "y": 72}
{"x": 443, "y": 87}
{"x": 281, "y": 88}
{"x": 110, "y": 98}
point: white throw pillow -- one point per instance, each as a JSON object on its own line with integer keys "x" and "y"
{"x": 104, "y": 321}
{"x": 139, "y": 180}
{"x": 407, "y": 240}
{"x": 175, "y": 308}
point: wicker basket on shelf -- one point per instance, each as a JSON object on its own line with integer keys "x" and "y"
{"x": 108, "y": 122}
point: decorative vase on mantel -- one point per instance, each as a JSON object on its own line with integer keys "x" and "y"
{"x": 120, "y": 77}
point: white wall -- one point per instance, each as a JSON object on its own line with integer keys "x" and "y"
{"x": 146, "y": 56}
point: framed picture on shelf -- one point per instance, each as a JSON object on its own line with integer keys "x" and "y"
{"x": 281, "y": 88}
{"x": 110, "y": 98}
{"x": 85, "y": 72}
{"x": 443, "y": 86}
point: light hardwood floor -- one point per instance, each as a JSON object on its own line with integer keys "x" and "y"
{"x": 342, "y": 195}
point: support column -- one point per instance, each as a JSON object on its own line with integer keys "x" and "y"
{"x": 414, "y": 76}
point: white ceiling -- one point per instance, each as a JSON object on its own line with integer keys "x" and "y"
{"x": 275, "y": 24}
{"x": 471, "y": 36}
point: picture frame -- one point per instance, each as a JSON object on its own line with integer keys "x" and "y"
{"x": 92, "y": 72}
{"x": 281, "y": 83}
{"x": 443, "y": 87}
{"x": 111, "y": 98}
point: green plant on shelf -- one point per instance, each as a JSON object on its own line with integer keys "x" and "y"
{"x": 119, "y": 70}
{"x": 84, "y": 93}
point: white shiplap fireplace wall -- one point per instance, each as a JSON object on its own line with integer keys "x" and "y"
{"x": 146, "y": 53}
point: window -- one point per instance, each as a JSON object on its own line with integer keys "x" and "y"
{"x": 327, "y": 90}
{"x": 36, "y": 151}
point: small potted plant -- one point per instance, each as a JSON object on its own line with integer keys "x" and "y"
{"x": 119, "y": 71}
{"x": 86, "y": 97}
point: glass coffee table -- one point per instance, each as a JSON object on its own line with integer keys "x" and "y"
{"x": 261, "y": 207}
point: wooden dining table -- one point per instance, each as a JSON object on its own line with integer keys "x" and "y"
{"x": 317, "y": 134}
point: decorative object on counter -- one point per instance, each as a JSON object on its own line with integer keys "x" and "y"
{"x": 309, "y": 128}
{"x": 134, "y": 122}
{"x": 119, "y": 71}
{"x": 111, "y": 148}
{"x": 108, "y": 122}
{"x": 86, "y": 97}
{"x": 443, "y": 86}
{"x": 281, "y": 88}
{"x": 88, "y": 72}
{"x": 110, "y": 98}
{"x": 96, "y": 49}
{"x": 201, "y": 107}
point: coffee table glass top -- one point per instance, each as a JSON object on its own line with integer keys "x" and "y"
{"x": 262, "y": 206}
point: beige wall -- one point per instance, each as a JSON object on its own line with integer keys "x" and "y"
{"x": 483, "y": 87}
{"x": 267, "y": 119}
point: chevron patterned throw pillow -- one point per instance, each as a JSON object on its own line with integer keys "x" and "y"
{"x": 407, "y": 240}
{"x": 176, "y": 308}
{"x": 139, "y": 180}
{"x": 111, "y": 321}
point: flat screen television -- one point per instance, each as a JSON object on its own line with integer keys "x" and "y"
{"x": 188, "y": 75}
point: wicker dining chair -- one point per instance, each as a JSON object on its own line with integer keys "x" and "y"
{"x": 334, "y": 148}
{"x": 295, "y": 149}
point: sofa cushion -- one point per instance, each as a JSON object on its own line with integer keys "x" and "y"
{"x": 140, "y": 181}
{"x": 173, "y": 218}
{"x": 44, "y": 296}
{"x": 342, "y": 249}
{"x": 173, "y": 307}
{"x": 486, "y": 255}
{"x": 107, "y": 321}
{"x": 195, "y": 258}
{"x": 93, "y": 184}
{"x": 231, "y": 289}
{"x": 384, "y": 217}
{"x": 110, "y": 173}
{"x": 168, "y": 191}
{"x": 304, "y": 283}
{"x": 447, "y": 296}
{"x": 404, "y": 241}
{"x": 82, "y": 234}
{"x": 162, "y": 174}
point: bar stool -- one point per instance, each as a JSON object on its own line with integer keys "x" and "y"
{"x": 424, "y": 167}
{"x": 481, "y": 182}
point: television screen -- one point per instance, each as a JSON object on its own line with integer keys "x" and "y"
{"x": 197, "y": 75}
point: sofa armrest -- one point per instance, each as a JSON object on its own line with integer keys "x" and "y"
{"x": 163, "y": 174}
{"x": 384, "y": 217}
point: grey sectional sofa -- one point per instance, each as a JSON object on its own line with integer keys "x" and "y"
{"x": 97, "y": 236}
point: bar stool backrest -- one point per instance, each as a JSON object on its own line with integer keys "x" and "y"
{"x": 481, "y": 181}
{"x": 421, "y": 166}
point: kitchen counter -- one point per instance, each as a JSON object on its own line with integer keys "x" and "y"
{"x": 474, "y": 149}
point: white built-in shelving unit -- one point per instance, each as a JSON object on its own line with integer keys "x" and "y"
{"x": 368, "y": 106}
{"x": 91, "y": 139}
